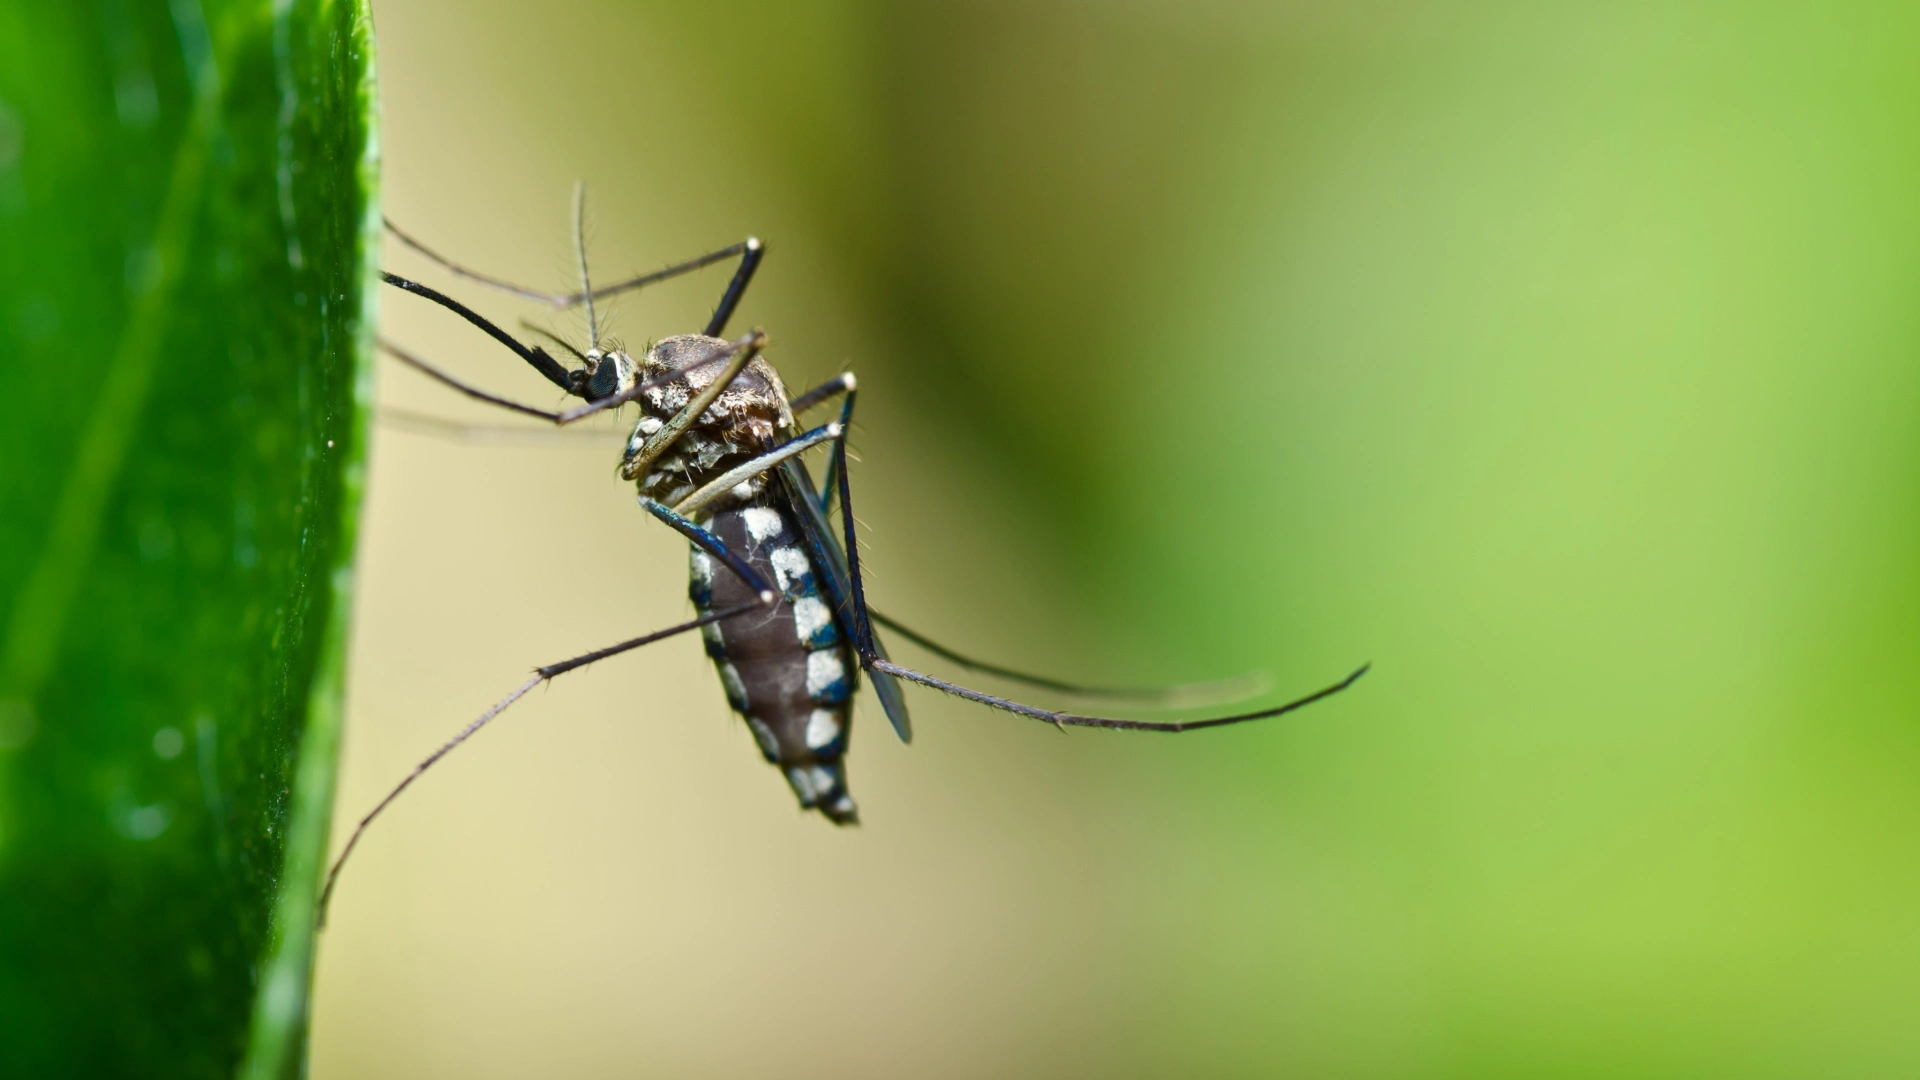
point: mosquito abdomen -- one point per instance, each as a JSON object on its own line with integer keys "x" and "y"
{"x": 788, "y": 672}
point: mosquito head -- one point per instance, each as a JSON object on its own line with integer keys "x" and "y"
{"x": 605, "y": 373}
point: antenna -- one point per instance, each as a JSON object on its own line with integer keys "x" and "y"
{"x": 580, "y": 249}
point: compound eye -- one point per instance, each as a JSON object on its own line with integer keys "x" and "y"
{"x": 612, "y": 373}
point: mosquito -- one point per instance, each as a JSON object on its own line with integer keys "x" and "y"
{"x": 777, "y": 594}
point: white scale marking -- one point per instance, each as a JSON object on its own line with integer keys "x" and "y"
{"x": 802, "y": 785}
{"x": 823, "y": 780}
{"x": 703, "y": 568}
{"x": 730, "y": 678}
{"x": 762, "y": 523}
{"x": 823, "y": 727}
{"x": 763, "y": 735}
{"x": 810, "y": 614}
{"x": 823, "y": 670}
{"x": 790, "y": 566}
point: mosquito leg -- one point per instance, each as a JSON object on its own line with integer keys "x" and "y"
{"x": 440, "y": 427}
{"x": 873, "y": 661}
{"x": 827, "y": 482}
{"x": 748, "y": 249}
{"x": 454, "y": 268}
{"x": 561, "y": 300}
{"x": 476, "y": 393}
{"x": 843, "y": 383}
{"x": 1237, "y": 688}
{"x": 749, "y": 262}
{"x": 547, "y": 366}
{"x": 1067, "y": 719}
{"x": 713, "y": 546}
{"x": 540, "y": 675}
{"x": 740, "y": 474}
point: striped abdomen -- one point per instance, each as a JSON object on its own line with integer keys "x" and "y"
{"x": 787, "y": 672}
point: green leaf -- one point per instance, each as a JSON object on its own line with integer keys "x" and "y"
{"x": 187, "y": 225}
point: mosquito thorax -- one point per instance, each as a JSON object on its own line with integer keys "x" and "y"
{"x": 750, "y": 413}
{"x": 752, "y": 409}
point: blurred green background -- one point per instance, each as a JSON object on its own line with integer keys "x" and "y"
{"x": 1559, "y": 359}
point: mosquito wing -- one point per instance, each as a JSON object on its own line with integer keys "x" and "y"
{"x": 832, "y": 564}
